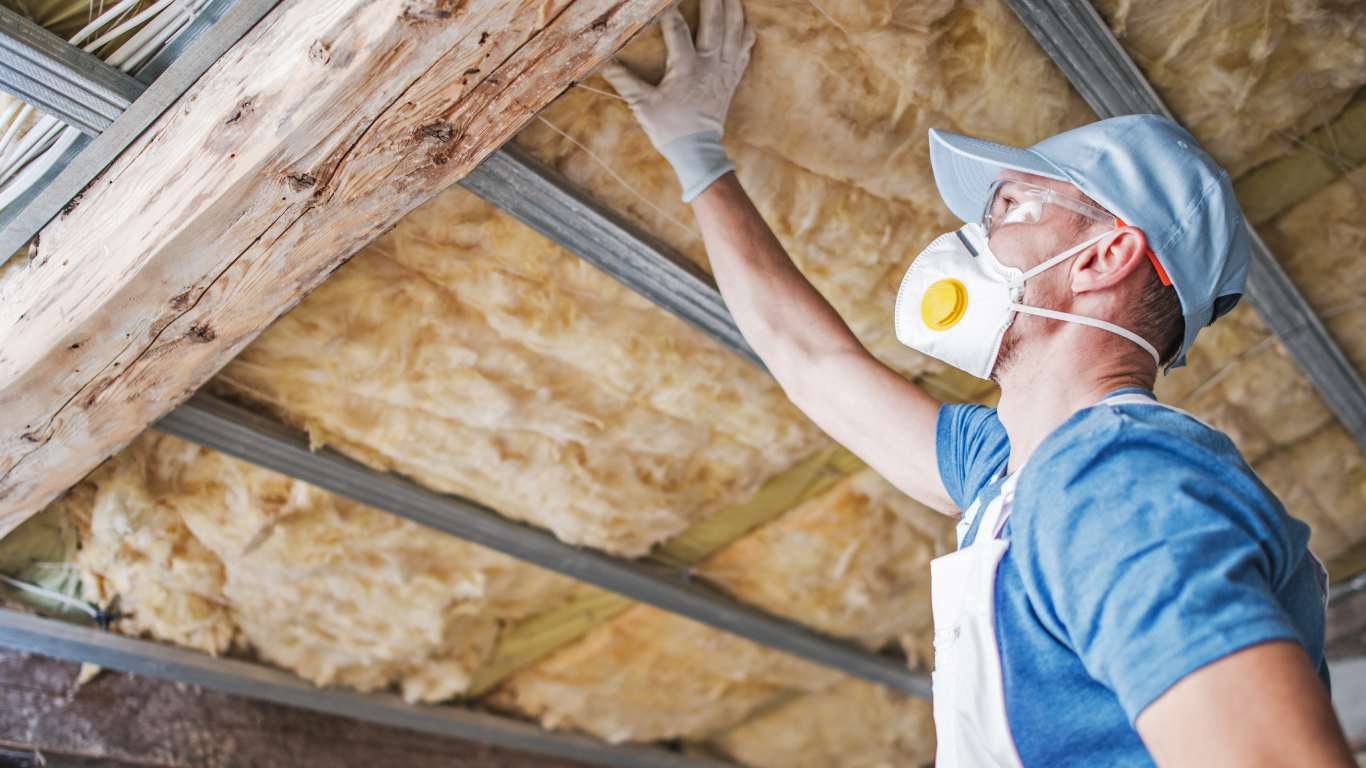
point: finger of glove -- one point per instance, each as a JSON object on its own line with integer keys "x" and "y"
{"x": 631, "y": 88}
{"x": 746, "y": 41}
{"x": 677, "y": 38}
{"x": 711, "y": 25}
{"x": 734, "y": 29}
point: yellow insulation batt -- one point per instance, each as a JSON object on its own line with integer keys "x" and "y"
{"x": 1320, "y": 242}
{"x": 853, "y": 725}
{"x": 1246, "y": 77}
{"x": 652, "y": 675}
{"x": 853, "y": 562}
{"x": 213, "y": 553}
{"x": 468, "y": 352}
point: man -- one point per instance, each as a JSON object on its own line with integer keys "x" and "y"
{"x": 1126, "y": 592}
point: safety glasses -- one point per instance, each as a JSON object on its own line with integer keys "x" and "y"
{"x": 1019, "y": 202}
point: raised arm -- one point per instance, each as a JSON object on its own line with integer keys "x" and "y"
{"x": 884, "y": 419}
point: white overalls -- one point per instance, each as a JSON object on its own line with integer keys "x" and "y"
{"x": 969, "y": 695}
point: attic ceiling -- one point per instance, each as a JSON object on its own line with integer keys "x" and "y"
{"x": 468, "y": 353}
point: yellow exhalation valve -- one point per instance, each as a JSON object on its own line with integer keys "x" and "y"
{"x": 944, "y": 303}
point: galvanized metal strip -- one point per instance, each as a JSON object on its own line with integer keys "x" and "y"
{"x": 545, "y": 201}
{"x": 169, "y": 74}
{"x": 1074, "y": 35}
{"x": 63, "y": 640}
{"x": 59, "y": 78}
{"x": 222, "y": 426}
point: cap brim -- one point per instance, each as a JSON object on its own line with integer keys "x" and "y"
{"x": 964, "y": 168}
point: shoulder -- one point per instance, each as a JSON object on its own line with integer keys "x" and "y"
{"x": 1143, "y": 475}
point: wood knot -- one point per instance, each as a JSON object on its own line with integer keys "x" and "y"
{"x": 202, "y": 333}
{"x": 427, "y": 11}
{"x": 483, "y": 37}
{"x": 440, "y": 130}
{"x": 244, "y": 109}
{"x": 600, "y": 23}
{"x": 301, "y": 181}
{"x": 181, "y": 301}
{"x": 319, "y": 52}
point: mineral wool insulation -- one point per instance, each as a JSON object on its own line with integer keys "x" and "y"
{"x": 468, "y": 353}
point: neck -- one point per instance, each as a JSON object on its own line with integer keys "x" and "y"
{"x": 1036, "y": 401}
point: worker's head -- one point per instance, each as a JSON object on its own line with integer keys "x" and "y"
{"x": 1029, "y": 218}
{"x": 1124, "y": 224}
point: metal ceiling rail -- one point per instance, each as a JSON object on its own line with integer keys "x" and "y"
{"x": 160, "y": 82}
{"x": 545, "y": 201}
{"x": 233, "y": 430}
{"x": 60, "y": 79}
{"x": 63, "y": 640}
{"x": 1081, "y": 44}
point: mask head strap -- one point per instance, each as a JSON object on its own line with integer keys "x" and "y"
{"x": 1082, "y": 319}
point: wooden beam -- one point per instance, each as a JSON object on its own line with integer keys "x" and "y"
{"x": 317, "y": 131}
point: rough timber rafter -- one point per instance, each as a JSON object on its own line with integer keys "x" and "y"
{"x": 320, "y": 129}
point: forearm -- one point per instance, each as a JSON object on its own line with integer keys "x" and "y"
{"x": 782, "y": 316}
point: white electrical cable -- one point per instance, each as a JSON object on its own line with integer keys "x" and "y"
{"x": 27, "y": 155}
{"x": 50, "y": 594}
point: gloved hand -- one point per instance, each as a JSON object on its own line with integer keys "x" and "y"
{"x": 684, "y": 115}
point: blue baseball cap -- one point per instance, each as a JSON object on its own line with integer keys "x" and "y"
{"x": 1146, "y": 170}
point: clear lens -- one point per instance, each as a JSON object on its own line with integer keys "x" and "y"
{"x": 1017, "y": 202}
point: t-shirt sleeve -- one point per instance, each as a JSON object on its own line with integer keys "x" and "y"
{"x": 1149, "y": 558}
{"x": 970, "y": 446}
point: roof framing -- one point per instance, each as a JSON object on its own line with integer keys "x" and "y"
{"x": 64, "y": 640}
{"x": 1080, "y": 43}
{"x": 224, "y": 427}
{"x": 513, "y": 180}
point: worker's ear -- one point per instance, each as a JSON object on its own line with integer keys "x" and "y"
{"x": 1110, "y": 261}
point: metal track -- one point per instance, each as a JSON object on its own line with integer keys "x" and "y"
{"x": 545, "y": 201}
{"x": 161, "y": 82}
{"x": 1080, "y": 43}
{"x": 235, "y": 431}
{"x": 63, "y": 640}
{"x": 60, "y": 79}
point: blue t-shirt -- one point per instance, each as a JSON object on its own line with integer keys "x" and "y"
{"x": 1142, "y": 547}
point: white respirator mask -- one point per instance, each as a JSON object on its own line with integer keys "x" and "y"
{"x": 957, "y": 300}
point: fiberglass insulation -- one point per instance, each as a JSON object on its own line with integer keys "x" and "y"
{"x": 211, "y": 552}
{"x": 470, "y": 354}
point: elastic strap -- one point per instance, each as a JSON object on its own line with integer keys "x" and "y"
{"x": 1067, "y": 254}
{"x": 1093, "y": 322}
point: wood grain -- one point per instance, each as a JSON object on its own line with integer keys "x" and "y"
{"x": 318, "y": 131}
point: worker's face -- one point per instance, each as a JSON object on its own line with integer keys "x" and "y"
{"x": 1025, "y": 245}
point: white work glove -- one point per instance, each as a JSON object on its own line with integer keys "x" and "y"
{"x": 685, "y": 114}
